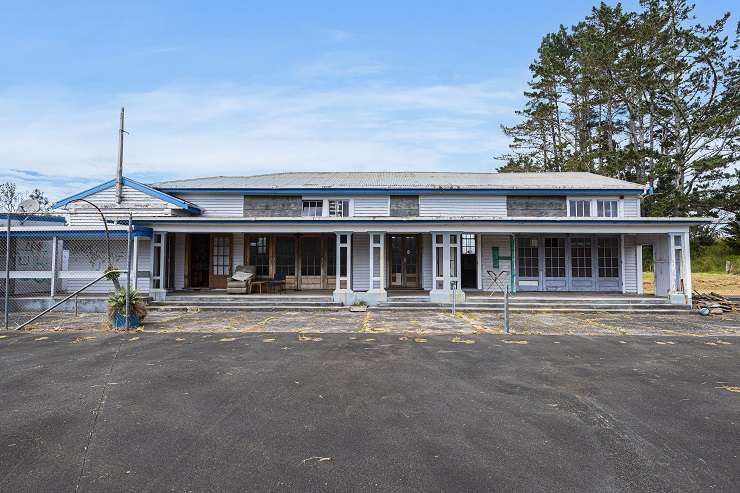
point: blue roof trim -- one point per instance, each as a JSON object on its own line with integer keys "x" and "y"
{"x": 32, "y": 217}
{"x": 406, "y": 191}
{"x": 135, "y": 185}
{"x": 88, "y": 233}
{"x": 338, "y": 222}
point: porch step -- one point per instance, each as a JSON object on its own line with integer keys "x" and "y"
{"x": 246, "y": 307}
{"x": 577, "y": 309}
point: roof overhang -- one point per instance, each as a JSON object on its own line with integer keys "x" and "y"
{"x": 77, "y": 232}
{"x": 410, "y": 191}
{"x": 153, "y": 192}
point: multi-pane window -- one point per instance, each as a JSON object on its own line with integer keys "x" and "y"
{"x": 311, "y": 257}
{"x": 285, "y": 256}
{"x": 468, "y": 244}
{"x": 554, "y": 257}
{"x": 608, "y": 255}
{"x": 528, "y": 257}
{"x": 453, "y": 255}
{"x": 581, "y": 260}
{"x": 607, "y": 208}
{"x": 339, "y": 208}
{"x": 580, "y": 208}
{"x": 220, "y": 259}
{"x": 259, "y": 255}
{"x": 312, "y": 208}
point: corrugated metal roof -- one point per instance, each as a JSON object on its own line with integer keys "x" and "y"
{"x": 404, "y": 180}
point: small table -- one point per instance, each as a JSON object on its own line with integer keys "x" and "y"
{"x": 260, "y": 284}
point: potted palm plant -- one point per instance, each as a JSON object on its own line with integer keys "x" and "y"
{"x": 117, "y": 309}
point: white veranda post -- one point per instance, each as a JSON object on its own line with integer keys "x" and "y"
{"x": 446, "y": 256}
{"x": 377, "y": 270}
{"x": 343, "y": 288}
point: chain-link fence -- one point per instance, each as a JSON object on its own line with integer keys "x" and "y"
{"x": 43, "y": 261}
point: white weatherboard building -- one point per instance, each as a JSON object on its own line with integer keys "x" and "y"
{"x": 364, "y": 234}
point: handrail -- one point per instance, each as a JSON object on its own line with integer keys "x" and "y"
{"x": 106, "y": 274}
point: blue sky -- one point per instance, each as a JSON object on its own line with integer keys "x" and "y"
{"x": 247, "y": 87}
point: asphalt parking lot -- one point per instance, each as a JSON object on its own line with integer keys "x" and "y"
{"x": 100, "y": 411}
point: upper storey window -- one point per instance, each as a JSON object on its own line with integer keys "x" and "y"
{"x": 580, "y": 208}
{"x": 339, "y": 208}
{"x": 593, "y": 207}
{"x": 313, "y": 208}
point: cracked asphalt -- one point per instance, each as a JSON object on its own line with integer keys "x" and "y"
{"x": 195, "y": 411}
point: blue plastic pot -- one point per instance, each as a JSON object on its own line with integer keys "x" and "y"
{"x": 119, "y": 321}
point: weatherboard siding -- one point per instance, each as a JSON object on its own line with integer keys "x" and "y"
{"x": 462, "y": 205}
{"x": 216, "y": 204}
{"x": 360, "y": 262}
{"x": 629, "y": 263}
{"x": 488, "y": 243}
{"x": 371, "y": 206}
{"x": 426, "y": 261}
{"x": 631, "y": 207}
{"x": 536, "y": 206}
{"x": 137, "y": 203}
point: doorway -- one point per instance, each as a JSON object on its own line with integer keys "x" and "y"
{"x": 404, "y": 261}
{"x": 200, "y": 245}
{"x": 469, "y": 260}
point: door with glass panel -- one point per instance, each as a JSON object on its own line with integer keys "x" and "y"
{"x": 582, "y": 264}
{"x": 554, "y": 254}
{"x": 608, "y": 258}
{"x": 220, "y": 261}
{"x": 404, "y": 261}
{"x": 528, "y": 263}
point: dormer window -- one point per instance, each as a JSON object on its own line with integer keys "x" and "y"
{"x": 580, "y": 208}
{"x": 593, "y": 207}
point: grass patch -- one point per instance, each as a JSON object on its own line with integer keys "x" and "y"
{"x": 703, "y": 282}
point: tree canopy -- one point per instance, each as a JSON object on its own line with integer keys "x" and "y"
{"x": 638, "y": 95}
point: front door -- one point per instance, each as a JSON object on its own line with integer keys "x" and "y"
{"x": 220, "y": 262}
{"x": 199, "y": 260}
{"x": 404, "y": 262}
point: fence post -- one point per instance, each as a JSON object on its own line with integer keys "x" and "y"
{"x": 506, "y": 310}
{"x": 53, "y": 287}
{"x": 128, "y": 268}
{"x": 7, "y": 272}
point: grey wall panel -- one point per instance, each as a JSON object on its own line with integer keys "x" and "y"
{"x": 360, "y": 261}
{"x": 273, "y": 206}
{"x": 545, "y": 206}
{"x": 404, "y": 205}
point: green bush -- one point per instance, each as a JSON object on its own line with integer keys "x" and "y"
{"x": 712, "y": 258}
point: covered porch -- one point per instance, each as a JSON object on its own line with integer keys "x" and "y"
{"x": 371, "y": 266}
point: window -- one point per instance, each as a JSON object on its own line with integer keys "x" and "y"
{"x": 580, "y": 208}
{"x": 220, "y": 258}
{"x": 311, "y": 256}
{"x": 285, "y": 256}
{"x": 607, "y": 208}
{"x": 259, "y": 256}
{"x": 468, "y": 244}
{"x": 554, "y": 257}
{"x": 581, "y": 260}
{"x": 339, "y": 208}
{"x": 528, "y": 257}
{"x": 312, "y": 208}
{"x": 608, "y": 257}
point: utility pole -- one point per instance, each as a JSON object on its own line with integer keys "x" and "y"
{"x": 119, "y": 170}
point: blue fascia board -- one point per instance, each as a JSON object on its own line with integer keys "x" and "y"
{"x": 88, "y": 233}
{"x": 32, "y": 217}
{"x": 153, "y": 192}
{"x": 414, "y": 191}
{"x": 426, "y": 220}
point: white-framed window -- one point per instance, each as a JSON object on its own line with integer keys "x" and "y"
{"x": 594, "y": 207}
{"x": 327, "y": 207}
{"x": 338, "y": 208}
{"x": 579, "y": 208}
{"x": 313, "y": 208}
{"x": 607, "y": 208}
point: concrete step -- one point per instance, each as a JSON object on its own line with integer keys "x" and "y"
{"x": 533, "y": 306}
{"x": 245, "y": 307}
{"x": 246, "y": 299}
{"x": 244, "y": 303}
{"x": 579, "y": 309}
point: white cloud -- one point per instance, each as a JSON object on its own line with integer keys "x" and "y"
{"x": 177, "y": 131}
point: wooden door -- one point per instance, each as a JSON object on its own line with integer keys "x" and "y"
{"x": 220, "y": 260}
{"x": 404, "y": 262}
